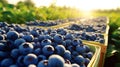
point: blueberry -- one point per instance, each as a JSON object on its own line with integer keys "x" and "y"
{"x": 60, "y": 49}
{"x": 41, "y": 37}
{"x": 56, "y": 61}
{"x": 80, "y": 41}
{"x": 87, "y": 48}
{"x": 36, "y": 40}
{"x": 68, "y": 42}
{"x": 28, "y": 38}
{"x": 71, "y": 48}
{"x": 6, "y": 62}
{"x": 41, "y": 57}
{"x": 2, "y": 37}
{"x": 48, "y": 37}
{"x": 37, "y": 51}
{"x": 79, "y": 59}
{"x": 15, "y": 53}
{"x": 64, "y": 44}
{"x": 83, "y": 65}
{"x": 75, "y": 65}
{"x": 20, "y": 61}
{"x": 46, "y": 42}
{"x": 54, "y": 44}
{"x": 43, "y": 63}
{"x": 61, "y": 31}
{"x": 75, "y": 42}
{"x": 3, "y": 31}
{"x": 48, "y": 50}
{"x": 75, "y": 53}
{"x": 93, "y": 37}
{"x": 80, "y": 49}
{"x": 3, "y": 54}
{"x": 10, "y": 44}
{"x": 89, "y": 55}
{"x": 69, "y": 36}
{"x": 35, "y": 33}
{"x": 18, "y": 42}
{"x": 67, "y": 55}
{"x": 101, "y": 40}
{"x": 32, "y": 65}
{"x": 26, "y": 48}
{"x": 67, "y": 65}
{"x": 52, "y": 34}
{"x": 12, "y": 35}
{"x": 30, "y": 59}
{"x": 67, "y": 61}
{"x": 2, "y": 46}
{"x": 84, "y": 55}
{"x": 14, "y": 65}
{"x": 49, "y": 30}
{"x": 58, "y": 39}
{"x": 87, "y": 60}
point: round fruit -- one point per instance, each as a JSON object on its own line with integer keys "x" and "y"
{"x": 56, "y": 61}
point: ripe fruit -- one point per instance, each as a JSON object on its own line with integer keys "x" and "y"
{"x": 75, "y": 42}
{"x": 37, "y": 51}
{"x": 87, "y": 60}
{"x": 20, "y": 61}
{"x": 2, "y": 46}
{"x": 67, "y": 55}
{"x": 67, "y": 65}
{"x": 45, "y": 42}
{"x": 30, "y": 59}
{"x": 12, "y": 35}
{"x": 32, "y": 46}
{"x": 14, "y": 65}
{"x": 41, "y": 57}
{"x": 75, "y": 65}
{"x": 43, "y": 63}
{"x": 26, "y": 48}
{"x": 89, "y": 55}
{"x": 56, "y": 61}
{"x": 69, "y": 36}
{"x": 79, "y": 59}
{"x": 15, "y": 53}
{"x": 48, "y": 50}
{"x": 2, "y": 37}
{"x": 80, "y": 49}
{"x": 32, "y": 65}
{"x": 18, "y": 42}
{"x": 28, "y": 38}
{"x": 58, "y": 39}
{"x": 60, "y": 49}
{"x": 35, "y": 33}
{"x": 6, "y": 62}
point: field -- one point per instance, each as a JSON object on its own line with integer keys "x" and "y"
{"x": 22, "y": 13}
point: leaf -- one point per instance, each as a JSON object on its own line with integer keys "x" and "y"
{"x": 110, "y": 50}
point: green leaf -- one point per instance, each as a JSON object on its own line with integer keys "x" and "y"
{"x": 110, "y": 50}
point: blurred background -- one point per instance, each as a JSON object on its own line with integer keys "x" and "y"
{"x": 21, "y": 11}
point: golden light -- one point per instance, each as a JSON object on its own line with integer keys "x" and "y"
{"x": 85, "y": 5}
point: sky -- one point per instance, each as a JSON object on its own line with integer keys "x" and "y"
{"x": 85, "y": 5}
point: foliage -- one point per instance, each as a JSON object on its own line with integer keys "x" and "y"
{"x": 26, "y": 11}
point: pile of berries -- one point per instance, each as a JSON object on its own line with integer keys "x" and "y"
{"x": 36, "y": 47}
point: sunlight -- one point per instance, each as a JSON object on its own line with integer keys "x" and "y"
{"x": 84, "y": 5}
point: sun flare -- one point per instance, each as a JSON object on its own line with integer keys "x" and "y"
{"x": 84, "y": 5}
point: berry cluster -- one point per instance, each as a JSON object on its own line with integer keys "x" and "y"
{"x": 36, "y": 47}
{"x": 45, "y": 23}
{"x": 88, "y": 28}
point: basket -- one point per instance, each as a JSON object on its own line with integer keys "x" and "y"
{"x": 96, "y": 57}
